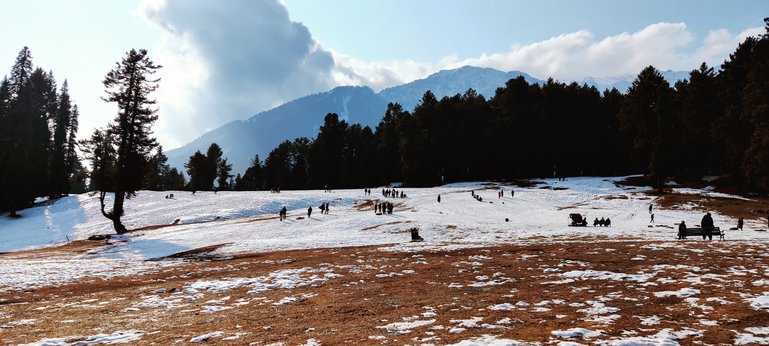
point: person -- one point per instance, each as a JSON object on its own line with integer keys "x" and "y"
{"x": 602, "y": 222}
{"x": 309, "y": 212}
{"x": 608, "y": 222}
{"x": 650, "y": 208}
{"x": 652, "y": 219}
{"x": 707, "y": 226}
{"x": 512, "y": 193}
{"x": 327, "y": 208}
{"x": 439, "y": 198}
{"x": 682, "y": 230}
{"x": 596, "y": 222}
{"x": 322, "y": 208}
{"x": 740, "y": 222}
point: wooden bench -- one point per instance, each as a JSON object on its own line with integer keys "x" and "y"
{"x": 698, "y": 231}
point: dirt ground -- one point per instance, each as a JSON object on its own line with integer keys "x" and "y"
{"x": 518, "y": 292}
{"x": 535, "y": 291}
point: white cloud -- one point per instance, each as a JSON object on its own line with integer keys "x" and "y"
{"x": 227, "y": 61}
{"x": 573, "y": 56}
{"x": 224, "y": 62}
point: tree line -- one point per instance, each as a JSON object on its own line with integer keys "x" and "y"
{"x": 38, "y": 126}
{"x": 715, "y": 122}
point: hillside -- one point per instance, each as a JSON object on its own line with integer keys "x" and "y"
{"x": 230, "y": 272}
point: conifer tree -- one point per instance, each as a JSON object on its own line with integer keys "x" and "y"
{"x": 223, "y": 175}
{"x": 213, "y": 160}
{"x": 60, "y": 165}
{"x": 197, "y": 168}
{"x": 129, "y": 85}
{"x": 100, "y": 151}
{"x": 646, "y": 111}
{"x": 23, "y": 127}
{"x": 6, "y": 142}
{"x": 756, "y": 107}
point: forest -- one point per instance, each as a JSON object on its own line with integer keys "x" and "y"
{"x": 714, "y": 123}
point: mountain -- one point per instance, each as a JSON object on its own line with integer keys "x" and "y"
{"x": 623, "y": 82}
{"x": 485, "y": 81}
{"x": 240, "y": 140}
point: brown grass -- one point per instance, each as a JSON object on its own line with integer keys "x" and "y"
{"x": 351, "y": 308}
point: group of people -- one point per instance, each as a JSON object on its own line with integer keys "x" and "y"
{"x": 476, "y": 196}
{"x": 323, "y": 210}
{"x": 393, "y": 193}
{"x": 707, "y": 227}
{"x": 367, "y": 192}
{"x": 602, "y": 222}
{"x": 170, "y": 196}
{"x": 383, "y": 208}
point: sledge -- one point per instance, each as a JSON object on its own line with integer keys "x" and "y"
{"x": 577, "y": 220}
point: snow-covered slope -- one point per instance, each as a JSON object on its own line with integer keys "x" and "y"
{"x": 245, "y": 221}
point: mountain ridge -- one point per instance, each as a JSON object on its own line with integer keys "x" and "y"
{"x": 241, "y": 140}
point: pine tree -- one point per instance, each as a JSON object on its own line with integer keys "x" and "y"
{"x": 646, "y": 111}
{"x": 25, "y": 127}
{"x": 158, "y": 170}
{"x": 253, "y": 177}
{"x": 60, "y": 167}
{"x": 213, "y": 159}
{"x": 71, "y": 156}
{"x": 327, "y": 167}
{"x": 197, "y": 169}
{"x": 6, "y": 142}
{"x": 733, "y": 131}
{"x": 388, "y": 156}
{"x": 277, "y": 166}
{"x": 699, "y": 109}
{"x": 756, "y": 107}
{"x": 100, "y": 151}
{"x": 129, "y": 86}
{"x": 223, "y": 175}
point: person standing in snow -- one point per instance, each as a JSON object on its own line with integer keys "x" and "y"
{"x": 740, "y": 222}
{"x": 309, "y": 212}
{"x": 707, "y": 226}
{"x": 682, "y": 230}
{"x": 650, "y": 208}
{"x": 439, "y": 198}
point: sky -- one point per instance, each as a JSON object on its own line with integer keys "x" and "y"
{"x": 228, "y": 60}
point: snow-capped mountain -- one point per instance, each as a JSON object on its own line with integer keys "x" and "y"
{"x": 485, "y": 81}
{"x": 241, "y": 140}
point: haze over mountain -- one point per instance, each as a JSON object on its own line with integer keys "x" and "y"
{"x": 241, "y": 140}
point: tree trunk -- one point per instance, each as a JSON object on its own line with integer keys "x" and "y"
{"x": 117, "y": 212}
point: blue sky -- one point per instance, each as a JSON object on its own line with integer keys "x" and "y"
{"x": 227, "y": 60}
